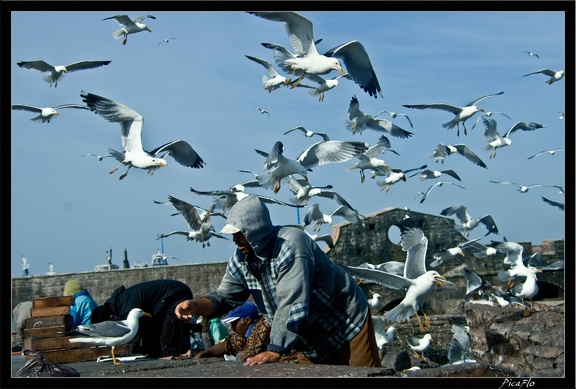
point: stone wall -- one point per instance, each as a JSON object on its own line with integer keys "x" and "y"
{"x": 201, "y": 278}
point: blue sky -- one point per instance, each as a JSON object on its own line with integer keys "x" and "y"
{"x": 67, "y": 210}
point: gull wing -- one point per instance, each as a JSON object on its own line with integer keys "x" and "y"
{"x": 392, "y": 281}
{"x": 182, "y": 152}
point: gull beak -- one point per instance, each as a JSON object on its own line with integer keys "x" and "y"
{"x": 340, "y": 71}
{"x": 148, "y": 315}
{"x": 439, "y": 280}
{"x": 462, "y": 254}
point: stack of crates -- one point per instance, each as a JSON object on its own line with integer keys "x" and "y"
{"x": 46, "y": 333}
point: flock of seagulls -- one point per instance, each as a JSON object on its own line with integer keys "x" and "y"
{"x": 305, "y": 64}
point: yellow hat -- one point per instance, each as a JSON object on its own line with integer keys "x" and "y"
{"x": 72, "y": 287}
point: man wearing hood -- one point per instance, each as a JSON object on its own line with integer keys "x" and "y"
{"x": 313, "y": 305}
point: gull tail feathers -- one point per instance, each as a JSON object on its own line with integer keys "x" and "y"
{"x": 399, "y": 313}
{"x": 450, "y": 125}
{"x": 118, "y": 34}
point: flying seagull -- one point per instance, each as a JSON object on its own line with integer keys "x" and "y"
{"x": 263, "y": 111}
{"x": 521, "y": 188}
{"x": 55, "y": 72}
{"x": 461, "y": 113}
{"x": 131, "y": 123}
{"x": 488, "y": 114}
{"x": 322, "y": 85}
{"x": 531, "y": 54}
{"x": 394, "y": 115}
{"x": 166, "y": 41}
{"x": 442, "y": 151}
{"x": 308, "y": 134}
{"x": 225, "y": 199}
{"x": 274, "y": 80}
{"x": 549, "y": 152}
{"x": 418, "y": 282}
{"x": 129, "y": 26}
{"x": 320, "y": 153}
{"x": 467, "y": 222}
{"x": 428, "y": 174}
{"x": 495, "y": 141}
{"x": 436, "y": 185}
{"x": 359, "y": 121}
{"x": 480, "y": 291}
{"x": 46, "y": 113}
{"x": 201, "y": 228}
{"x": 369, "y": 159}
{"x": 315, "y": 216}
{"x": 111, "y": 333}
{"x": 554, "y": 75}
{"x": 99, "y": 157}
{"x": 392, "y": 176}
{"x": 309, "y": 61}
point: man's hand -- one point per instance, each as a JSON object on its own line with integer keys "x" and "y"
{"x": 262, "y": 358}
{"x": 185, "y": 310}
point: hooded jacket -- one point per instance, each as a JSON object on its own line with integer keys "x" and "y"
{"x": 313, "y": 305}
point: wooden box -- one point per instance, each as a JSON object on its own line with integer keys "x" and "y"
{"x": 47, "y": 333}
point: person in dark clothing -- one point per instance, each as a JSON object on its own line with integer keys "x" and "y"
{"x": 161, "y": 335}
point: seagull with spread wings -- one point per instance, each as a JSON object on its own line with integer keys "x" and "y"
{"x": 521, "y": 188}
{"x": 315, "y": 216}
{"x": 308, "y": 134}
{"x": 225, "y": 199}
{"x": 495, "y": 141}
{"x": 549, "y": 152}
{"x": 129, "y": 26}
{"x": 436, "y": 185}
{"x": 418, "y": 282}
{"x": 553, "y": 74}
{"x": 134, "y": 155}
{"x": 201, "y": 227}
{"x": 55, "y": 73}
{"x": 46, "y": 113}
{"x": 461, "y": 114}
{"x": 369, "y": 159}
{"x": 277, "y": 166}
{"x": 274, "y": 80}
{"x": 394, "y": 115}
{"x": 359, "y": 121}
{"x": 442, "y": 151}
{"x": 467, "y": 222}
{"x": 309, "y": 61}
{"x": 428, "y": 174}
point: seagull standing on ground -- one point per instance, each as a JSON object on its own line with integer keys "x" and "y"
{"x": 461, "y": 113}
{"x": 55, "y": 72}
{"x": 309, "y": 61}
{"x": 131, "y": 123}
{"x": 111, "y": 333}
{"x": 46, "y": 113}
{"x": 129, "y": 26}
{"x": 554, "y": 75}
{"x": 420, "y": 345}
